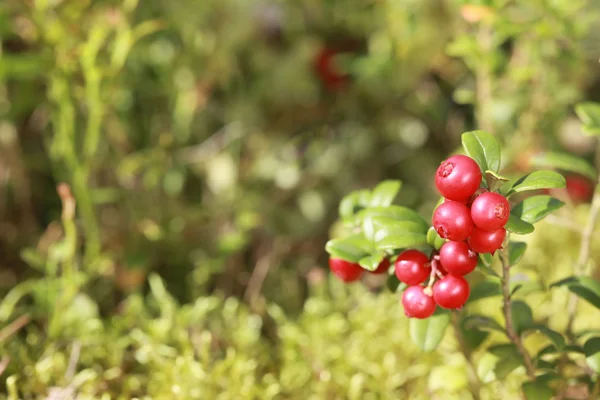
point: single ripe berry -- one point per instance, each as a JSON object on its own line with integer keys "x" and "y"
{"x": 452, "y": 221}
{"x": 457, "y": 258}
{"x": 490, "y": 211}
{"x": 457, "y": 178}
{"x": 451, "y": 292}
{"x": 486, "y": 242}
{"x": 345, "y": 270}
{"x": 412, "y": 267}
{"x": 383, "y": 267}
{"x": 475, "y": 195}
{"x": 416, "y": 303}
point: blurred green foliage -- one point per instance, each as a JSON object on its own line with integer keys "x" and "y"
{"x": 206, "y": 160}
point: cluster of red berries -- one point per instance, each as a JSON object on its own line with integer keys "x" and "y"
{"x": 472, "y": 220}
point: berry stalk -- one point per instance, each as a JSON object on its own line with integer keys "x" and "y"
{"x": 507, "y": 308}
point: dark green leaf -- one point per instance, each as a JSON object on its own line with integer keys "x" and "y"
{"x": 484, "y": 290}
{"x": 516, "y": 251}
{"x": 525, "y": 287}
{"x": 556, "y": 338}
{"x": 350, "y": 248}
{"x": 584, "y": 287}
{"x": 483, "y": 323}
{"x": 518, "y": 226}
{"x": 536, "y": 208}
{"x": 537, "y": 391}
{"x": 483, "y": 148}
{"x": 370, "y": 263}
{"x": 565, "y": 162}
{"x": 484, "y": 265}
{"x": 394, "y": 285}
{"x": 473, "y": 337}
{"x": 505, "y": 350}
{"x": 428, "y": 333}
{"x": 538, "y": 180}
{"x": 589, "y": 114}
{"x": 433, "y": 239}
{"x": 384, "y": 193}
{"x": 493, "y": 180}
{"x": 522, "y": 316}
{"x": 506, "y": 365}
{"x": 591, "y": 349}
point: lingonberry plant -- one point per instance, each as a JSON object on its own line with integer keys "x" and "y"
{"x": 472, "y": 233}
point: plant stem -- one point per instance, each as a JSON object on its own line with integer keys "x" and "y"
{"x": 474, "y": 381}
{"x": 507, "y": 308}
{"x": 584, "y": 256}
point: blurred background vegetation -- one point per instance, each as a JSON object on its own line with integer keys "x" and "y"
{"x": 206, "y": 145}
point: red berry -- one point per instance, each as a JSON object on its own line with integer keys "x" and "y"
{"x": 486, "y": 242}
{"x": 327, "y": 71}
{"x": 345, "y": 270}
{"x": 475, "y": 195}
{"x": 383, "y": 267}
{"x": 412, "y": 267}
{"x": 579, "y": 189}
{"x": 458, "y": 177}
{"x": 452, "y": 220}
{"x": 451, "y": 292}
{"x": 457, "y": 258}
{"x": 416, "y": 303}
{"x": 490, "y": 211}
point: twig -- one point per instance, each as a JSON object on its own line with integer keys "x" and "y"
{"x": 584, "y": 256}
{"x": 474, "y": 381}
{"x": 73, "y": 360}
{"x": 507, "y": 308}
{"x": 14, "y": 327}
{"x": 3, "y": 364}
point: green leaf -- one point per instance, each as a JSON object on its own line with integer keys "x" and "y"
{"x": 400, "y": 236}
{"x": 556, "y": 338}
{"x": 433, "y": 239}
{"x": 565, "y": 162}
{"x": 589, "y": 114}
{"x": 483, "y": 148}
{"x": 370, "y": 263}
{"x": 504, "y": 350}
{"x": 537, "y": 391}
{"x": 536, "y": 208}
{"x": 395, "y": 213}
{"x": 353, "y": 203}
{"x": 518, "y": 226}
{"x": 485, "y": 265}
{"x": 522, "y": 316}
{"x": 483, "y": 323}
{"x": 591, "y": 348}
{"x": 506, "y": 365}
{"x": 428, "y": 333}
{"x": 351, "y": 248}
{"x": 485, "y": 289}
{"x": 584, "y": 287}
{"x": 394, "y": 285}
{"x": 384, "y": 193}
{"x": 538, "y": 180}
{"x": 493, "y": 180}
{"x": 516, "y": 252}
{"x": 473, "y": 337}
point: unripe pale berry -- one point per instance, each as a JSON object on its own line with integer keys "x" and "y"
{"x": 451, "y": 292}
{"x": 416, "y": 303}
{"x": 457, "y": 258}
{"x": 412, "y": 267}
{"x": 383, "y": 267}
{"x": 490, "y": 211}
{"x": 482, "y": 241}
{"x": 457, "y": 178}
{"x": 452, "y": 221}
{"x": 345, "y": 270}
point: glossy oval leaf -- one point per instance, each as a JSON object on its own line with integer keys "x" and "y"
{"x": 394, "y": 213}
{"x": 401, "y": 235}
{"x": 584, "y": 287}
{"x": 370, "y": 263}
{"x": 483, "y": 147}
{"x": 591, "y": 348}
{"x": 473, "y": 337}
{"x": 565, "y": 162}
{"x": 483, "y": 323}
{"x": 589, "y": 114}
{"x": 536, "y": 208}
{"x": 538, "y": 180}
{"x": 485, "y": 289}
{"x": 556, "y": 338}
{"x": 353, "y": 202}
{"x": 493, "y": 180}
{"x": 518, "y": 226}
{"x": 428, "y": 333}
{"x": 522, "y": 316}
{"x": 351, "y": 248}
{"x": 433, "y": 239}
{"x": 384, "y": 193}
{"x": 516, "y": 252}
